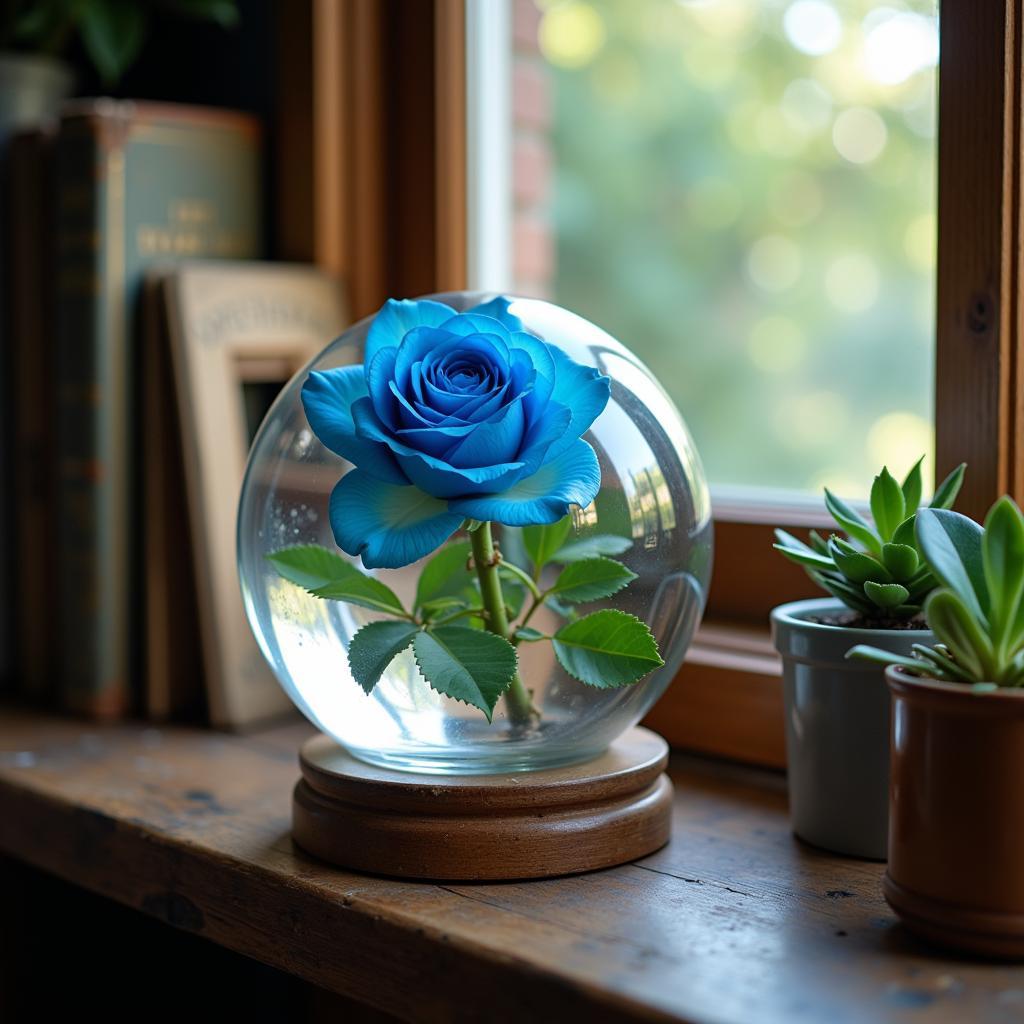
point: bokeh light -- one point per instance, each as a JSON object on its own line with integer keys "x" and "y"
{"x": 813, "y": 26}
{"x": 571, "y": 34}
{"x": 745, "y": 194}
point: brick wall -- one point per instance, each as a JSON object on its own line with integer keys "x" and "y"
{"x": 533, "y": 241}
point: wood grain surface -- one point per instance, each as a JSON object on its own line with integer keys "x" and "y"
{"x": 733, "y": 921}
{"x": 518, "y": 825}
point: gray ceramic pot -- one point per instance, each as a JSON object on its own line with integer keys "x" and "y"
{"x": 837, "y": 727}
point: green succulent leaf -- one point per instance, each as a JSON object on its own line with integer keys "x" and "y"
{"x": 805, "y": 556}
{"x": 326, "y": 575}
{"x": 940, "y": 664}
{"x": 471, "y": 665}
{"x": 445, "y": 575}
{"x": 855, "y": 565}
{"x": 818, "y": 543}
{"x": 946, "y": 493}
{"x": 541, "y": 542}
{"x": 901, "y": 560}
{"x": 865, "y": 652}
{"x": 374, "y": 647}
{"x": 904, "y": 533}
{"x": 1002, "y": 551}
{"x": 853, "y": 597}
{"x": 607, "y": 649}
{"x": 912, "y": 488}
{"x": 852, "y": 522}
{"x": 887, "y": 504}
{"x": 591, "y": 547}
{"x": 951, "y": 545}
{"x": 591, "y": 580}
{"x": 956, "y": 626}
{"x": 886, "y": 595}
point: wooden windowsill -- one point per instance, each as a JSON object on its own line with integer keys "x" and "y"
{"x": 733, "y": 921}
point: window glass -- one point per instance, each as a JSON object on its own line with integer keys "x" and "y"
{"x": 743, "y": 191}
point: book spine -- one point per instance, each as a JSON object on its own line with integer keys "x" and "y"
{"x": 30, "y": 218}
{"x": 92, "y": 537}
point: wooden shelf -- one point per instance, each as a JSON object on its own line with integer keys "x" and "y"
{"x": 733, "y": 921}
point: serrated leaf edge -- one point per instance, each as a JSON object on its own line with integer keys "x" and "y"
{"x": 469, "y": 704}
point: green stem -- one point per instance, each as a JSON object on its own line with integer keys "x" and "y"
{"x": 517, "y": 572}
{"x": 521, "y": 710}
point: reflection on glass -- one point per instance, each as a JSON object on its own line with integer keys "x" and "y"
{"x": 744, "y": 192}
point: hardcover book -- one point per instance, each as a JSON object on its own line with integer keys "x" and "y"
{"x": 137, "y": 184}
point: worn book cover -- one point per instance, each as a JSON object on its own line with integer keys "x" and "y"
{"x": 137, "y": 184}
{"x": 237, "y": 334}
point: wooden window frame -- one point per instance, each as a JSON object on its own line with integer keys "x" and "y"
{"x": 367, "y": 76}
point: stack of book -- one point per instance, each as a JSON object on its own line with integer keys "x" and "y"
{"x": 115, "y": 191}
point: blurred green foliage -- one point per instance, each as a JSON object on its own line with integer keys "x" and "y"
{"x": 745, "y": 195}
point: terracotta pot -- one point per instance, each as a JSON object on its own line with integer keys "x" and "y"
{"x": 837, "y": 727}
{"x": 956, "y": 848}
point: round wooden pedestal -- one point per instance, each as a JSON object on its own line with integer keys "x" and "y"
{"x": 475, "y": 827}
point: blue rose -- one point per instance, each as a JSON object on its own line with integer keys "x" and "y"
{"x": 453, "y": 416}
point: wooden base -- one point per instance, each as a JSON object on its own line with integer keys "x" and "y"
{"x": 559, "y": 821}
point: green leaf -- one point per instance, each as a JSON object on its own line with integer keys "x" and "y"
{"x": 327, "y": 575}
{"x": 607, "y": 649}
{"x": 887, "y": 505}
{"x": 904, "y": 533}
{"x": 513, "y": 592}
{"x": 942, "y": 665}
{"x": 1002, "y": 552}
{"x": 112, "y": 32}
{"x": 591, "y": 579}
{"x": 541, "y": 542}
{"x": 529, "y": 635}
{"x": 886, "y": 595}
{"x": 852, "y": 522}
{"x": 805, "y": 557}
{"x": 912, "y": 488}
{"x": 374, "y": 647}
{"x": 855, "y": 565}
{"x": 431, "y": 609}
{"x": 946, "y": 492}
{"x": 471, "y": 665}
{"x": 445, "y": 574}
{"x": 901, "y": 560}
{"x": 951, "y": 545}
{"x": 818, "y": 543}
{"x": 222, "y": 12}
{"x": 591, "y": 547}
{"x": 864, "y": 652}
{"x": 953, "y": 622}
{"x": 852, "y": 597}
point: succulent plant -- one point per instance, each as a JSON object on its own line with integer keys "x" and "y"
{"x": 977, "y": 613}
{"x": 876, "y": 569}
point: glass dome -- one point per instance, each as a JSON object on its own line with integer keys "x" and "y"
{"x": 653, "y": 495}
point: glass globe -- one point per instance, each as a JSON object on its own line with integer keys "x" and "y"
{"x": 653, "y": 492}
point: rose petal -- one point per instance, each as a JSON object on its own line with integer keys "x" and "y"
{"x": 397, "y": 318}
{"x": 495, "y": 440}
{"x": 584, "y": 390}
{"x": 387, "y": 526}
{"x": 433, "y": 475}
{"x": 498, "y": 308}
{"x": 327, "y": 397}
{"x": 573, "y": 478}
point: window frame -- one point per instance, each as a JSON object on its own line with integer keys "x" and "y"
{"x": 357, "y": 81}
